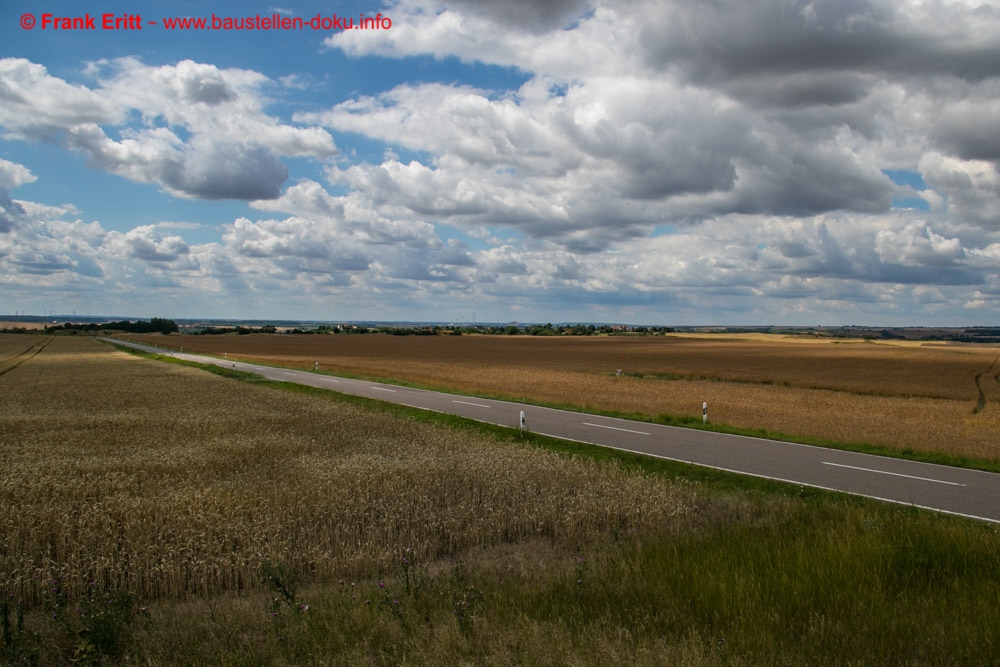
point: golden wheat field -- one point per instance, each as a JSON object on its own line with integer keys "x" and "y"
{"x": 170, "y": 481}
{"x": 895, "y": 394}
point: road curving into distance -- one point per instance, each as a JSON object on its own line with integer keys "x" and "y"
{"x": 970, "y": 493}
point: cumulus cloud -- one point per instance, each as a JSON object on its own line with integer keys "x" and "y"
{"x": 39, "y": 106}
{"x": 762, "y": 108}
{"x": 691, "y": 157}
{"x": 147, "y": 244}
{"x": 330, "y": 247}
{"x": 12, "y": 175}
{"x": 203, "y": 133}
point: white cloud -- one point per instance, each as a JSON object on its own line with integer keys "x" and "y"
{"x": 202, "y": 134}
{"x": 972, "y": 187}
{"x": 38, "y": 106}
{"x": 742, "y": 266}
{"x": 13, "y": 175}
{"x": 661, "y": 157}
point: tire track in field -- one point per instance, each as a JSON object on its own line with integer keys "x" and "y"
{"x": 981, "y": 403}
{"x": 10, "y": 363}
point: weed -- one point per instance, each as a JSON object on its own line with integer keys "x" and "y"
{"x": 412, "y": 571}
{"x": 465, "y": 599}
{"x": 98, "y": 626}
{"x": 390, "y": 603}
{"x": 284, "y": 605}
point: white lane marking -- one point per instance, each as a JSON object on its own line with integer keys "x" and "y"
{"x": 615, "y": 428}
{"x": 382, "y": 389}
{"x": 329, "y": 380}
{"x": 894, "y": 474}
{"x": 782, "y": 479}
{"x": 478, "y": 405}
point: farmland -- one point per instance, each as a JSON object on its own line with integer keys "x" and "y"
{"x": 900, "y": 394}
{"x": 179, "y": 482}
{"x": 203, "y": 500}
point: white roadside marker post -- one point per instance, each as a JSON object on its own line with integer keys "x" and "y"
{"x": 704, "y": 413}
{"x": 523, "y": 427}
{"x": 316, "y": 366}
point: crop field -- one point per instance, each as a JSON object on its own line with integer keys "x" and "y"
{"x": 174, "y": 482}
{"x": 899, "y": 394}
{"x": 15, "y": 350}
{"x": 157, "y": 514}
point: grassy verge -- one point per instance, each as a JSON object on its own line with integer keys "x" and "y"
{"x": 792, "y": 583}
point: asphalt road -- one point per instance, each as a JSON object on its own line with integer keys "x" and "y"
{"x": 946, "y": 489}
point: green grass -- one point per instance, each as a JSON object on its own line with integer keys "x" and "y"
{"x": 780, "y": 583}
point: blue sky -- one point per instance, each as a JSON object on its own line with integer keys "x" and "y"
{"x": 648, "y": 161}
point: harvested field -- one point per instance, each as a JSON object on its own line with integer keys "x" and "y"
{"x": 929, "y": 397}
{"x": 169, "y": 481}
{"x": 30, "y": 326}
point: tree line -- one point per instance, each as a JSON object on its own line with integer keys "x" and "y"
{"x": 154, "y": 325}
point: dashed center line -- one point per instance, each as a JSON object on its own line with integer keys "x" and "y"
{"x": 615, "y": 428}
{"x": 382, "y": 389}
{"x": 894, "y": 474}
{"x": 478, "y": 405}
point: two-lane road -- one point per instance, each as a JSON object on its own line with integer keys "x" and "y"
{"x": 959, "y": 491}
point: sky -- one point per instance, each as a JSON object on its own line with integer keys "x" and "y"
{"x": 638, "y": 161}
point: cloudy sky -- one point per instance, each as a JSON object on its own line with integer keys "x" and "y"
{"x": 641, "y": 161}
